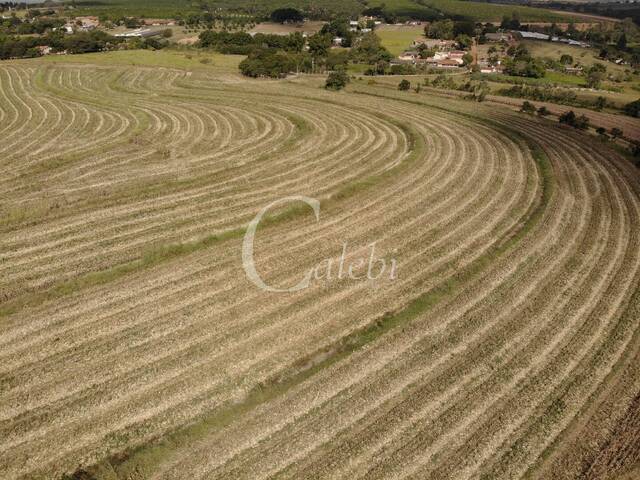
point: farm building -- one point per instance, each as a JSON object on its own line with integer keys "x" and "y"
{"x": 434, "y": 43}
{"x": 139, "y": 33}
{"x": 408, "y": 56}
{"x": 88, "y": 23}
{"x": 449, "y": 63}
{"x": 499, "y": 37}
{"x": 169, "y": 22}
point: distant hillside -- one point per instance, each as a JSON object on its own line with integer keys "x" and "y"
{"x": 169, "y": 8}
{"x": 460, "y": 9}
{"x": 318, "y": 9}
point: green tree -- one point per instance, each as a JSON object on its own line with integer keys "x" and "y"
{"x": 369, "y": 50}
{"x": 464, "y": 41}
{"x": 286, "y": 15}
{"x": 595, "y": 75}
{"x": 622, "y": 42}
{"x": 480, "y": 91}
{"x": 633, "y": 109}
{"x": 404, "y": 85}
{"x": 442, "y": 29}
{"x": 337, "y": 80}
{"x": 319, "y": 44}
{"x": 543, "y": 111}
{"x": 528, "y": 107}
{"x": 616, "y": 133}
{"x": 566, "y": 59}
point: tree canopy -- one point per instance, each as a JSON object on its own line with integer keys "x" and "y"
{"x": 286, "y": 15}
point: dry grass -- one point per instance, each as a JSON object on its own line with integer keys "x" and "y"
{"x": 130, "y": 327}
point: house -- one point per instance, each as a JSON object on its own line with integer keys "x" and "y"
{"x": 485, "y": 67}
{"x": 457, "y": 54}
{"x": 44, "y": 50}
{"x": 139, "y": 33}
{"x": 353, "y": 23}
{"x": 88, "y": 23}
{"x": 533, "y": 35}
{"x": 449, "y": 63}
{"x": 573, "y": 70}
{"x": 337, "y": 42}
{"x": 408, "y": 56}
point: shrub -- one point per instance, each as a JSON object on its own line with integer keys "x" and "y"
{"x": 616, "y": 132}
{"x": 528, "y": 107}
{"x": 633, "y": 109}
{"x": 404, "y": 85}
{"x": 337, "y": 80}
{"x": 569, "y": 118}
{"x": 267, "y": 63}
{"x": 543, "y": 111}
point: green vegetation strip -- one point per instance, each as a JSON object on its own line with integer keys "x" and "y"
{"x": 142, "y": 461}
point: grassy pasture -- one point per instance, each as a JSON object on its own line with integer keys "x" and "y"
{"x": 586, "y": 56}
{"x": 397, "y": 38}
{"x": 186, "y": 60}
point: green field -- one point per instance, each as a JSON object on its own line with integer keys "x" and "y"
{"x": 207, "y": 61}
{"x": 586, "y": 56}
{"x": 398, "y": 38}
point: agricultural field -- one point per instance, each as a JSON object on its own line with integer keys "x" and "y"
{"x": 134, "y": 345}
{"x": 309, "y": 27}
{"x": 585, "y": 56}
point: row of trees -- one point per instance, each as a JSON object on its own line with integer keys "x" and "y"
{"x": 277, "y": 55}
{"x": 84, "y": 42}
{"x": 16, "y": 26}
{"x": 242, "y": 43}
{"x": 582, "y": 122}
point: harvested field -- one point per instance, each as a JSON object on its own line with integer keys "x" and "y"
{"x": 133, "y": 345}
